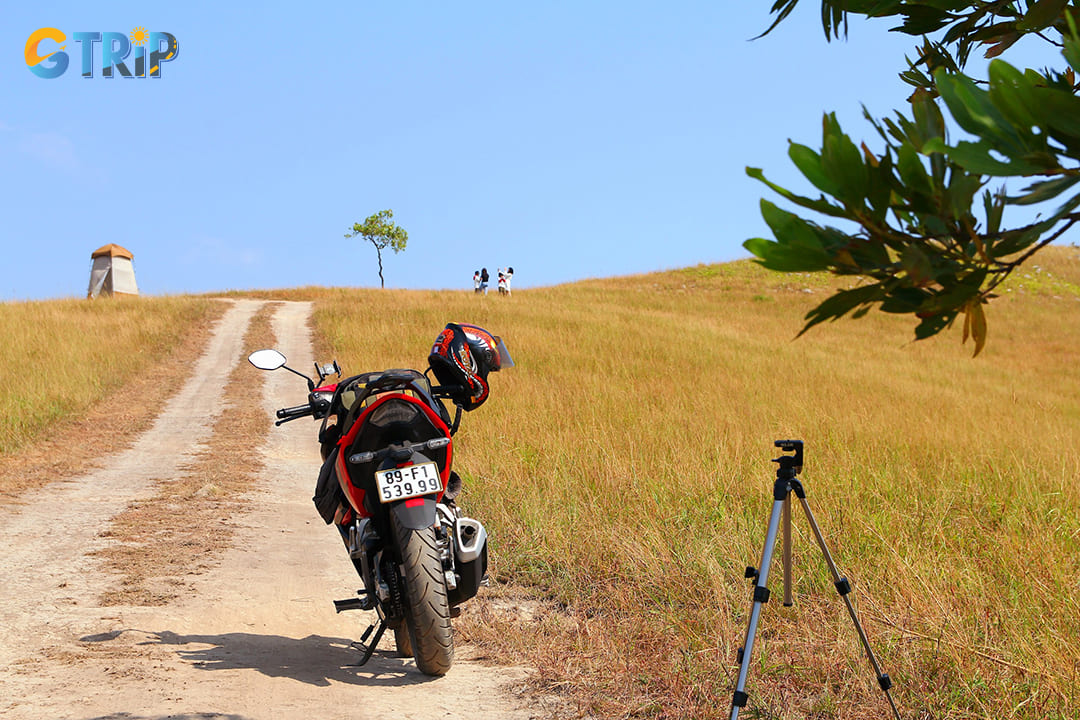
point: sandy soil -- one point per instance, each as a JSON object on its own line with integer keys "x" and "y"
{"x": 258, "y": 637}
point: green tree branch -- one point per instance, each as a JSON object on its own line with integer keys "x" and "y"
{"x": 929, "y": 239}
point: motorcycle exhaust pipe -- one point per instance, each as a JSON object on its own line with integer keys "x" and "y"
{"x": 470, "y": 539}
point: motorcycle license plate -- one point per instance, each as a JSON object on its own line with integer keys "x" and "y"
{"x": 407, "y": 482}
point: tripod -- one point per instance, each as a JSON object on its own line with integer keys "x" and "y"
{"x": 787, "y": 482}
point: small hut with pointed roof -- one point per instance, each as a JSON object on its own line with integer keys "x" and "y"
{"x": 112, "y": 272}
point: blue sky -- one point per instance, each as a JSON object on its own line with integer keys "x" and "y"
{"x": 566, "y": 139}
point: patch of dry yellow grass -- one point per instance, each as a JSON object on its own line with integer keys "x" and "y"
{"x": 60, "y": 357}
{"x": 82, "y": 374}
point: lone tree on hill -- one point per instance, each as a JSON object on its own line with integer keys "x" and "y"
{"x": 380, "y": 230}
{"x": 928, "y": 242}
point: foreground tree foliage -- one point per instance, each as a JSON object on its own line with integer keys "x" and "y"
{"x": 381, "y": 231}
{"x": 930, "y": 239}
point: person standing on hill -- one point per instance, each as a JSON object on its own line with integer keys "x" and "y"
{"x": 502, "y": 283}
{"x": 484, "y": 277}
{"x": 507, "y": 275}
{"x": 476, "y": 281}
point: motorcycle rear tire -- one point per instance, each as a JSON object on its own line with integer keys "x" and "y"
{"x": 427, "y": 608}
{"x": 402, "y": 640}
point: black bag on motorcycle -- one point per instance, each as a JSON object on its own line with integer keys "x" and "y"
{"x": 328, "y": 494}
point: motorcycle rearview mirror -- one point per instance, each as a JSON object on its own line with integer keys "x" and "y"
{"x": 267, "y": 359}
{"x": 272, "y": 360}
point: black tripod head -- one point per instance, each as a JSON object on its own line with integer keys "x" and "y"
{"x": 790, "y": 465}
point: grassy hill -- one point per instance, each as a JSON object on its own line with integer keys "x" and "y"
{"x": 623, "y": 471}
{"x": 623, "y": 467}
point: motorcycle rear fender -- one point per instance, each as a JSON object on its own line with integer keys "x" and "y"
{"x": 415, "y": 513}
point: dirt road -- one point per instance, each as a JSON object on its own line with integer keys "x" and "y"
{"x": 258, "y": 638}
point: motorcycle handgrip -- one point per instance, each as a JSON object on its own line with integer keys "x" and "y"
{"x": 294, "y": 413}
{"x": 291, "y": 412}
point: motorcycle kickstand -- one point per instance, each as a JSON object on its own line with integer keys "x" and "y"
{"x": 367, "y": 650}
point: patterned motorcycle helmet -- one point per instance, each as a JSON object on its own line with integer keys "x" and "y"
{"x": 462, "y": 357}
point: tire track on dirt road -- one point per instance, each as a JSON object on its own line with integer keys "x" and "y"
{"x": 257, "y": 637}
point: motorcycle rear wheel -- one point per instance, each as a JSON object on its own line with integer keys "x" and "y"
{"x": 427, "y": 608}
{"x": 402, "y": 640}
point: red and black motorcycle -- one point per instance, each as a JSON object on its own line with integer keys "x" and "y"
{"x": 388, "y": 486}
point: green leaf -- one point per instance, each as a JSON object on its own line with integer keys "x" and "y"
{"x": 1015, "y": 241}
{"x": 1041, "y": 15}
{"x": 832, "y": 18}
{"x": 904, "y": 300}
{"x": 790, "y": 229}
{"x": 976, "y": 158}
{"x": 995, "y": 31}
{"x": 961, "y": 193}
{"x": 842, "y": 163}
{"x": 1014, "y": 93}
{"x": 1072, "y": 53}
{"x": 920, "y": 20}
{"x": 809, "y": 164}
{"x": 799, "y": 245}
{"x": 928, "y": 119}
{"x": 840, "y": 304}
{"x": 785, "y": 258}
{"x": 821, "y": 205}
{"x": 869, "y": 253}
{"x": 912, "y": 171}
{"x": 956, "y": 294}
{"x": 1045, "y": 190}
{"x": 916, "y": 266}
{"x": 933, "y": 324}
{"x": 879, "y": 188}
{"x": 782, "y": 8}
{"x": 973, "y": 110}
{"x": 994, "y": 205}
{"x": 1059, "y": 111}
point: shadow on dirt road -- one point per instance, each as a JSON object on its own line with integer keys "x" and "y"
{"x": 277, "y": 656}
{"x": 172, "y": 716}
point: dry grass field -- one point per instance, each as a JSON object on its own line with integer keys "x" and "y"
{"x": 623, "y": 471}
{"x": 98, "y": 372}
{"x": 61, "y": 357}
{"x": 623, "y": 468}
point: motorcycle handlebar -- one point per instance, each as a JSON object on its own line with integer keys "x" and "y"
{"x": 446, "y": 391}
{"x": 294, "y": 413}
{"x": 297, "y": 410}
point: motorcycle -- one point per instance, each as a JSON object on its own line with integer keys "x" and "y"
{"x": 387, "y": 485}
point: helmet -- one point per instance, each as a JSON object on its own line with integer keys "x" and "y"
{"x": 462, "y": 357}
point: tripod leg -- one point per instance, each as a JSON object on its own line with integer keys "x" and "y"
{"x": 788, "y": 602}
{"x": 844, "y": 588}
{"x": 761, "y": 596}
